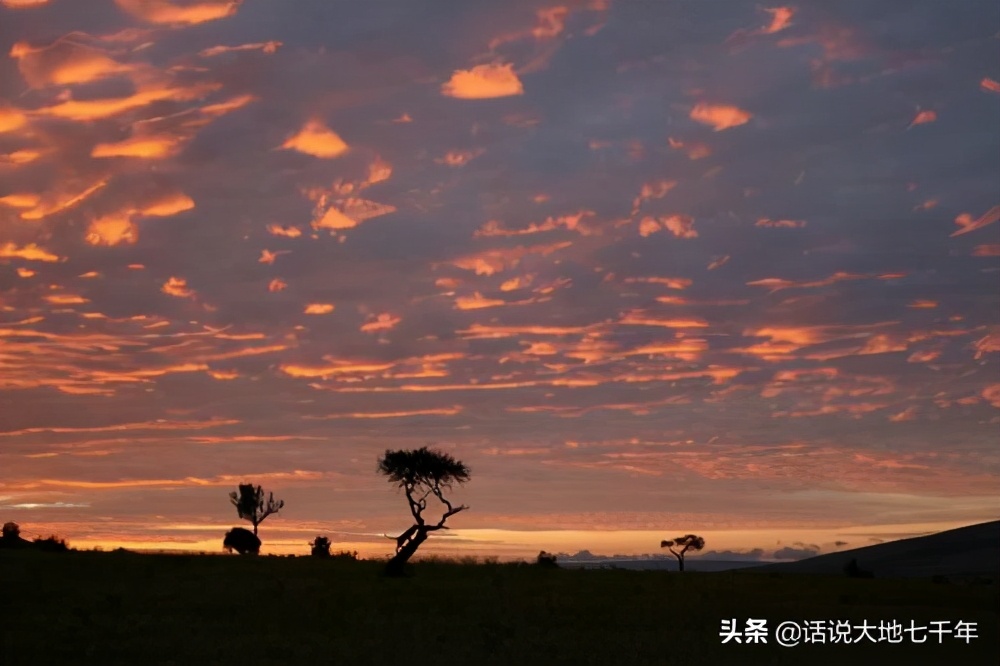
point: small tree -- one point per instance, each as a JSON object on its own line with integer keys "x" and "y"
{"x": 546, "y": 559}
{"x": 11, "y": 530}
{"x": 684, "y": 544}
{"x": 251, "y": 505}
{"x": 421, "y": 473}
{"x": 320, "y": 546}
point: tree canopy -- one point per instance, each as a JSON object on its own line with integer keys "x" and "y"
{"x": 683, "y": 544}
{"x": 252, "y": 506}
{"x": 420, "y": 473}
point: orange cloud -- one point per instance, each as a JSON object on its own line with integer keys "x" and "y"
{"x": 681, "y": 226}
{"x": 457, "y": 158}
{"x": 336, "y": 367}
{"x": 64, "y": 62}
{"x": 164, "y": 12}
{"x": 106, "y": 108}
{"x": 924, "y": 117}
{"x": 66, "y": 299}
{"x": 25, "y": 272}
{"x": 991, "y": 394}
{"x": 176, "y": 286}
{"x": 318, "y": 140}
{"x": 319, "y": 308}
{"x": 268, "y": 257}
{"x": 442, "y": 411}
{"x": 494, "y": 261}
{"x": 288, "y": 232}
{"x": 58, "y": 201}
{"x": 20, "y": 200}
{"x": 19, "y": 156}
{"x": 990, "y": 85}
{"x": 570, "y": 222}
{"x": 119, "y": 227}
{"x": 967, "y": 224}
{"x": 276, "y": 285}
{"x": 694, "y": 150}
{"x": 908, "y": 414}
{"x": 922, "y": 304}
{"x": 483, "y": 82}
{"x": 266, "y": 47}
{"x": 781, "y": 18}
{"x": 382, "y": 322}
{"x": 992, "y": 250}
{"x": 654, "y": 190}
{"x": 780, "y": 224}
{"x": 669, "y": 282}
{"x": 640, "y": 318}
{"x": 477, "y": 301}
{"x": 10, "y": 118}
{"x": 146, "y": 147}
{"x": 30, "y": 252}
{"x": 720, "y": 116}
{"x": 22, "y": 4}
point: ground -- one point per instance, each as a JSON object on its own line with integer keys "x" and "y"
{"x": 120, "y": 608}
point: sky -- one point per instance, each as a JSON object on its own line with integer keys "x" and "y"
{"x": 648, "y": 268}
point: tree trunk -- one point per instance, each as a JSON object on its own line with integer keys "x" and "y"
{"x": 255, "y": 529}
{"x": 395, "y": 566}
{"x": 680, "y": 561}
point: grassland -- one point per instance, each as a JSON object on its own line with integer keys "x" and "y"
{"x": 111, "y": 608}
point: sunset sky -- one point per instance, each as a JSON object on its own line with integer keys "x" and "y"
{"x": 647, "y": 267}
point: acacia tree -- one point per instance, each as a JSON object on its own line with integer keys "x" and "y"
{"x": 684, "y": 543}
{"x": 421, "y": 473}
{"x": 251, "y": 505}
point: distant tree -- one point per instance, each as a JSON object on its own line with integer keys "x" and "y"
{"x": 684, "y": 544}
{"x": 546, "y": 559}
{"x": 241, "y": 540}
{"x": 421, "y": 473}
{"x": 320, "y": 547}
{"x": 854, "y": 571}
{"x": 52, "y": 544}
{"x": 11, "y": 530}
{"x": 11, "y": 537}
{"x": 251, "y": 505}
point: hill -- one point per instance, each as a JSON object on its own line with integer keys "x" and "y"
{"x": 964, "y": 552}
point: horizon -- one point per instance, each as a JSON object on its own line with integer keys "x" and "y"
{"x": 646, "y": 269}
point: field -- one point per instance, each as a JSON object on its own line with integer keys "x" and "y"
{"x": 121, "y": 608}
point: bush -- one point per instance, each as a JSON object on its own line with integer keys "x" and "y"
{"x": 546, "y": 559}
{"x": 320, "y": 547}
{"x": 350, "y": 555}
{"x": 51, "y": 545}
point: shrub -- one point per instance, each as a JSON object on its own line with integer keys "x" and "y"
{"x": 52, "y": 544}
{"x": 546, "y": 559}
{"x": 320, "y": 546}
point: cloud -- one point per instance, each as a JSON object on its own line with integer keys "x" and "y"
{"x": 319, "y": 308}
{"x": 176, "y": 286}
{"x": 483, "y": 82}
{"x": 29, "y": 252}
{"x": 967, "y": 224}
{"x": 22, "y": 4}
{"x": 789, "y": 553}
{"x": 164, "y": 12}
{"x": 719, "y": 116}
{"x": 318, "y": 140}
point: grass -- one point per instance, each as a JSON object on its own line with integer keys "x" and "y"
{"x": 120, "y": 608}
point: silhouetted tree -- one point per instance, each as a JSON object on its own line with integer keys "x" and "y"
{"x": 241, "y": 540}
{"x": 11, "y": 537}
{"x": 52, "y": 544}
{"x": 546, "y": 559}
{"x": 320, "y": 547}
{"x": 251, "y": 505}
{"x": 420, "y": 473}
{"x": 854, "y": 571}
{"x": 684, "y": 543}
